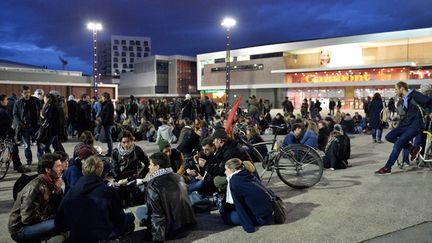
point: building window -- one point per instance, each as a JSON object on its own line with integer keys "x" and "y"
{"x": 124, "y": 48}
{"x": 117, "y": 72}
{"x": 115, "y": 59}
{"x": 138, "y": 42}
{"x": 249, "y": 67}
{"x": 116, "y": 42}
{"x": 123, "y": 71}
{"x": 123, "y": 59}
{"x": 123, "y": 42}
{"x": 131, "y": 60}
{"x": 145, "y": 54}
{"x": 123, "y": 54}
{"x": 145, "y": 43}
{"x": 115, "y": 48}
{"x": 115, "y": 65}
{"x": 132, "y": 54}
{"x": 147, "y": 49}
{"x": 130, "y": 48}
{"x": 139, "y": 48}
{"x": 132, "y": 42}
{"x": 116, "y": 53}
{"x": 125, "y": 65}
{"x": 131, "y": 65}
{"x": 139, "y": 54}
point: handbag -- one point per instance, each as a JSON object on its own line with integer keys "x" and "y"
{"x": 279, "y": 210}
{"x": 42, "y": 133}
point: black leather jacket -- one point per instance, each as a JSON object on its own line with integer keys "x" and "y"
{"x": 21, "y": 114}
{"x": 134, "y": 164}
{"x": 169, "y": 207}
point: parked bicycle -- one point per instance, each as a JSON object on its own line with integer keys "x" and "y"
{"x": 424, "y": 160}
{"x": 6, "y": 148}
{"x": 297, "y": 165}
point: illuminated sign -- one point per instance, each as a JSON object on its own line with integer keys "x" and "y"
{"x": 336, "y": 78}
{"x": 325, "y": 57}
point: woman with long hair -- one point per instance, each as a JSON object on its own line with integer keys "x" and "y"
{"x": 311, "y": 135}
{"x": 375, "y": 108}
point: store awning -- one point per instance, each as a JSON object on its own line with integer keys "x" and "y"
{"x": 323, "y": 69}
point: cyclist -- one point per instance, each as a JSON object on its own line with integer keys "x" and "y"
{"x": 408, "y": 127}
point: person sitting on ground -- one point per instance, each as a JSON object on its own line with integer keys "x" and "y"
{"x": 262, "y": 124}
{"x": 323, "y": 135}
{"x": 175, "y": 156}
{"x": 165, "y": 131}
{"x": 279, "y": 121}
{"x": 86, "y": 138}
{"x": 168, "y": 211}
{"x": 203, "y": 180}
{"x": 189, "y": 139}
{"x": 248, "y": 202}
{"x": 128, "y": 159}
{"x": 334, "y": 152}
{"x": 32, "y": 215}
{"x": 74, "y": 171}
{"x": 348, "y": 124}
{"x": 310, "y": 137}
{"x": 92, "y": 211}
{"x": 294, "y": 136}
{"x": 346, "y": 141}
{"x": 253, "y": 137}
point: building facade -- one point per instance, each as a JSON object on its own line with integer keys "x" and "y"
{"x": 160, "y": 76}
{"x": 14, "y": 75}
{"x": 347, "y": 68}
{"x": 119, "y": 54}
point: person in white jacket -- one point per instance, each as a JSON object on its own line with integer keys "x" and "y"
{"x": 165, "y": 131}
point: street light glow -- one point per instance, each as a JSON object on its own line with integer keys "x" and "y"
{"x": 228, "y": 22}
{"x": 94, "y": 26}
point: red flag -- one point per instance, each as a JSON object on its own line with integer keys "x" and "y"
{"x": 228, "y": 128}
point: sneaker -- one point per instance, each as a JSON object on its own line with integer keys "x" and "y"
{"x": 415, "y": 151}
{"x": 383, "y": 171}
{"x": 23, "y": 169}
{"x": 332, "y": 169}
{"x": 379, "y": 141}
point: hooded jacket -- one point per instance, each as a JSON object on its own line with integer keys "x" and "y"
{"x": 166, "y": 132}
{"x": 91, "y": 211}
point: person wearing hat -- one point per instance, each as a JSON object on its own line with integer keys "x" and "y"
{"x": 175, "y": 156}
{"x": 227, "y": 148}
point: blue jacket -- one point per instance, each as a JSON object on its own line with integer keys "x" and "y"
{"x": 289, "y": 139}
{"x": 310, "y": 138}
{"x": 252, "y": 203}
{"x": 413, "y": 116}
{"x": 91, "y": 211}
{"x": 72, "y": 174}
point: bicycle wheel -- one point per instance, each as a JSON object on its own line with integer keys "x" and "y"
{"x": 428, "y": 156}
{"x": 299, "y": 166}
{"x": 4, "y": 167}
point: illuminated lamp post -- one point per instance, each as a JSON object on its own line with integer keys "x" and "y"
{"x": 95, "y": 27}
{"x": 228, "y": 23}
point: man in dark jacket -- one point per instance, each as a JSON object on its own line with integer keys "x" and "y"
{"x": 26, "y": 117}
{"x": 92, "y": 211}
{"x": 84, "y": 115}
{"x": 106, "y": 119}
{"x": 188, "y": 108}
{"x": 287, "y": 106}
{"x": 6, "y": 132}
{"x": 169, "y": 210}
{"x": 209, "y": 110}
{"x": 72, "y": 114}
{"x": 332, "y": 105}
{"x": 408, "y": 127}
{"x": 32, "y": 216}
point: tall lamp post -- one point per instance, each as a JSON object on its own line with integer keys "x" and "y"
{"x": 95, "y": 27}
{"x": 228, "y": 23}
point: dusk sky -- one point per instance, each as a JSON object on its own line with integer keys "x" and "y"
{"x": 37, "y": 32}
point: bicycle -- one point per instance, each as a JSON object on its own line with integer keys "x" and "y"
{"x": 297, "y": 165}
{"x": 426, "y": 158}
{"x": 6, "y": 148}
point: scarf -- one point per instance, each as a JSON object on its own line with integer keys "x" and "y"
{"x": 229, "y": 198}
{"x": 124, "y": 152}
{"x": 48, "y": 180}
{"x": 161, "y": 172}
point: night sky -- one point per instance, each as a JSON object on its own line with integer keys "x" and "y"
{"x": 37, "y": 32}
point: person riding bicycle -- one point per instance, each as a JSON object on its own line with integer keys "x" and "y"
{"x": 408, "y": 127}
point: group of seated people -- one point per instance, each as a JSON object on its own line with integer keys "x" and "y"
{"x": 74, "y": 199}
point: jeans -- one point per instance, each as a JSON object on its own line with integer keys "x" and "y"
{"x": 26, "y": 134}
{"x": 142, "y": 213}
{"x": 231, "y": 218}
{"x": 400, "y": 136}
{"x": 374, "y": 134}
{"x": 36, "y": 232}
{"x": 195, "y": 185}
{"x": 108, "y": 129}
{"x": 15, "y": 157}
{"x": 54, "y": 141}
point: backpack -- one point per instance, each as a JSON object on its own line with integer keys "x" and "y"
{"x": 21, "y": 183}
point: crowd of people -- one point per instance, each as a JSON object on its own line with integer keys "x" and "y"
{"x": 199, "y": 166}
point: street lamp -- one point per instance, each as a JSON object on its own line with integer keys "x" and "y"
{"x": 228, "y": 23}
{"x": 95, "y": 27}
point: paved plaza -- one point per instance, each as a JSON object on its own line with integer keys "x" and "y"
{"x": 351, "y": 205}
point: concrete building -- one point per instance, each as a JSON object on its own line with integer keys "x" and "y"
{"x": 14, "y": 75}
{"x": 349, "y": 68}
{"x": 160, "y": 76}
{"x": 119, "y": 54}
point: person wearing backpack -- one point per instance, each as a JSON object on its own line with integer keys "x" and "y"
{"x": 408, "y": 127}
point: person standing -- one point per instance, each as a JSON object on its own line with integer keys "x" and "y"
{"x": 332, "y": 105}
{"x": 304, "y": 109}
{"x": 392, "y": 107}
{"x": 288, "y": 106}
{"x": 339, "y": 105}
{"x": 188, "y": 108}
{"x": 106, "y": 120}
{"x": 312, "y": 109}
{"x": 83, "y": 115}
{"x": 132, "y": 111}
{"x": 26, "y": 117}
{"x": 72, "y": 114}
{"x": 375, "y": 123}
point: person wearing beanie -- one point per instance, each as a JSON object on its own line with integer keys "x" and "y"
{"x": 74, "y": 172}
{"x": 175, "y": 156}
